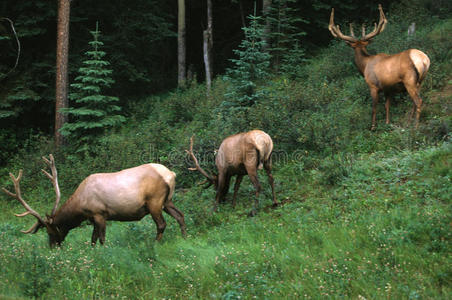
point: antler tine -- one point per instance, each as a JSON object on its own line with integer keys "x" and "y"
{"x": 18, "y": 196}
{"x": 33, "y": 229}
{"x": 378, "y": 28}
{"x": 54, "y": 178}
{"x": 351, "y": 30}
{"x": 336, "y": 32}
{"x": 195, "y": 160}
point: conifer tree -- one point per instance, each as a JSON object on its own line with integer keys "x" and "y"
{"x": 250, "y": 68}
{"x": 246, "y": 77}
{"x": 284, "y": 33}
{"x": 91, "y": 112}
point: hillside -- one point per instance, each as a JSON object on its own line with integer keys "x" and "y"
{"x": 364, "y": 214}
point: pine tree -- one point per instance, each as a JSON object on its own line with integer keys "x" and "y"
{"x": 284, "y": 34}
{"x": 92, "y": 113}
{"x": 250, "y": 68}
{"x": 246, "y": 78}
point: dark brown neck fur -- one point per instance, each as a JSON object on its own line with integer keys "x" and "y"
{"x": 67, "y": 218}
{"x": 361, "y": 58}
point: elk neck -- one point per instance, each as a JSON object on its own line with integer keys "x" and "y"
{"x": 68, "y": 217}
{"x": 362, "y": 57}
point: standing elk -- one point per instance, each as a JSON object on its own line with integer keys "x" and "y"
{"x": 127, "y": 195}
{"x": 388, "y": 73}
{"x": 239, "y": 154}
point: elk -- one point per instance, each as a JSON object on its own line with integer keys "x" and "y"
{"x": 239, "y": 154}
{"x": 390, "y": 74}
{"x": 127, "y": 195}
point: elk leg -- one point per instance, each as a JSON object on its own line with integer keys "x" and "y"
{"x": 95, "y": 234}
{"x": 252, "y": 173}
{"x": 100, "y": 227}
{"x": 268, "y": 169}
{"x": 222, "y": 189}
{"x": 374, "y": 94}
{"x": 387, "y": 105}
{"x": 417, "y": 102}
{"x": 159, "y": 222}
{"x": 170, "y": 209}
{"x": 238, "y": 180}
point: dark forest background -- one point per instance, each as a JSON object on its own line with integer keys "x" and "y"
{"x": 141, "y": 45}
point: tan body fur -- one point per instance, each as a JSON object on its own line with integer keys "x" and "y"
{"x": 392, "y": 74}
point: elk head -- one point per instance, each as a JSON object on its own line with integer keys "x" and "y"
{"x": 56, "y": 236}
{"x": 390, "y": 74}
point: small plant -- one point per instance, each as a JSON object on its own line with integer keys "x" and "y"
{"x": 37, "y": 275}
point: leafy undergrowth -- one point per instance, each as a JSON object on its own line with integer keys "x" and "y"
{"x": 382, "y": 230}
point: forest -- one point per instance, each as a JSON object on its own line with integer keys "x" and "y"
{"x": 342, "y": 202}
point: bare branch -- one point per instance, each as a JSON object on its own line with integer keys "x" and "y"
{"x": 18, "y": 45}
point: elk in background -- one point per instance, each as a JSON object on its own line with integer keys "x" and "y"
{"x": 239, "y": 154}
{"x": 127, "y": 195}
{"x": 388, "y": 73}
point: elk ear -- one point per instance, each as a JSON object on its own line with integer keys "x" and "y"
{"x": 49, "y": 219}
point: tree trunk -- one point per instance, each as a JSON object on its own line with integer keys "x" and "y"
{"x": 181, "y": 52}
{"x": 208, "y": 44}
{"x": 61, "y": 89}
{"x": 266, "y": 5}
{"x": 242, "y": 14}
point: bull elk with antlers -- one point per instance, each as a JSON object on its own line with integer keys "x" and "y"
{"x": 387, "y": 73}
{"x": 127, "y": 195}
{"x": 239, "y": 154}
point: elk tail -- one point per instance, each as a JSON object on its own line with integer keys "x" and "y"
{"x": 260, "y": 159}
{"x": 171, "y": 182}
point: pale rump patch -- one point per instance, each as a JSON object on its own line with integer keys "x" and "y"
{"x": 264, "y": 145}
{"x": 168, "y": 176}
{"x": 420, "y": 61}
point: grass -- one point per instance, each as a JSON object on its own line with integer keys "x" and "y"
{"x": 383, "y": 231}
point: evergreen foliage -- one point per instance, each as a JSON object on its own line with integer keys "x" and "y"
{"x": 285, "y": 33}
{"x": 250, "y": 70}
{"x": 92, "y": 113}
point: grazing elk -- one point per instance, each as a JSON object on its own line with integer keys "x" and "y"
{"x": 127, "y": 195}
{"x": 388, "y": 73}
{"x": 239, "y": 154}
